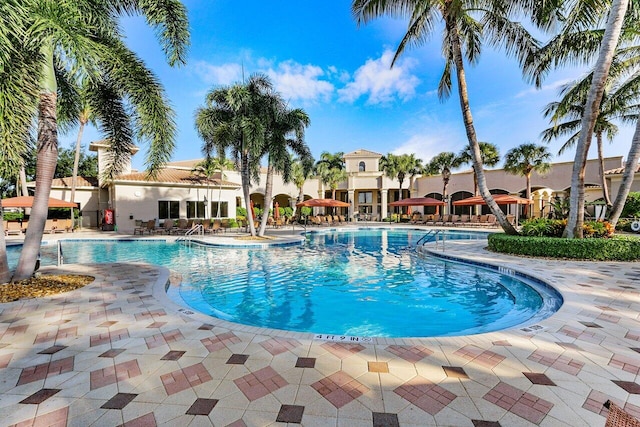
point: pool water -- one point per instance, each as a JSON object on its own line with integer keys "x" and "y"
{"x": 368, "y": 283}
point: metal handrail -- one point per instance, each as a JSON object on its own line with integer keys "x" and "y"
{"x": 196, "y": 228}
{"x": 60, "y": 254}
{"x": 431, "y": 235}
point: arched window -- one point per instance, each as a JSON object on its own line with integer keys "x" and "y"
{"x": 361, "y": 167}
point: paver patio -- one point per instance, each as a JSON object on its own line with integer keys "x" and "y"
{"x": 119, "y": 352}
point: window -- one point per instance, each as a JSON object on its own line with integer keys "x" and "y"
{"x": 168, "y": 209}
{"x": 362, "y": 167}
{"x": 365, "y": 197}
{"x": 224, "y": 209}
{"x": 195, "y": 209}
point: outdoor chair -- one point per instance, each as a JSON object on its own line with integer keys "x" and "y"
{"x": 464, "y": 220}
{"x": 12, "y": 228}
{"x": 183, "y": 227}
{"x": 618, "y": 417}
{"x": 474, "y": 221}
{"x": 49, "y": 227}
{"x": 216, "y": 226}
{"x": 453, "y": 219}
{"x": 168, "y": 226}
{"x": 443, "y": 219}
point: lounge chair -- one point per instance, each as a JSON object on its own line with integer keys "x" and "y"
{"x": 432, "y": 219}
{"x": 443, "y": 219}
{"x": 183, "y": 227}
{"x": 167, "y": 227}
{"x": 12, "y": 228}
{"x": 464, "y": 221}
{"x": 453, "y": 219}
{"x": 49, "y": 227}
{"x": 618, "y": 417}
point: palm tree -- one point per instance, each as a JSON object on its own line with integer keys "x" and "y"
{"x": 301, "y": 169}
{"x": 524, "y": 160}
{"x": 331, "y": 170}
{"x": 489, "y": 153}
{"x": 286, "y": 130}
{"x": 59, "y": 44}
{"x": 566, "y": 47}
{"x": 466, "y": 24}
{"x": 236, "y": 118}
{"x": 399, "y": 166}
{"x": 442, "y": 164}
{"x": 211, "y": 166}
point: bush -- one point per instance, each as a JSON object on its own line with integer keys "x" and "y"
{"x": 631, "y": 206}
{"x": 624, "y": 224}
{"x": 287, "y": 212}
{"x": 12, "y": 216}
{"x": 240, "y": 211}
{"x": 544, "y": 227}
{"x": 618, "y": 248}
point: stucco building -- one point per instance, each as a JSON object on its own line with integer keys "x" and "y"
{"x": 179, "y": 191}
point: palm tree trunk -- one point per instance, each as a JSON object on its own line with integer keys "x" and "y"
{"x": 5, "y": 274}
{"x": 268, "y": 195}
{"x": 603, "y": 181}
{"x": 470, "y": 129}
{"x": 76, "y": 161}
{"x": 45, "y": 168}
{"x": 23, "y": 181}
{"x": 592, "y": 107}
{"x": 246, "y": 180}
{"x": 627, "y": 177}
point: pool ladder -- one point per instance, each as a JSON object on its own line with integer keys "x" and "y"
{"x": 431, "y": 236}
{"x": 197, "y": 228}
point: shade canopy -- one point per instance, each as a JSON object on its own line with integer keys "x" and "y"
{"x": 323, "y": 203}
{"x": 418, "y": 201}
{"x": 501, "y": 199}
{"x": 27, "y": 202}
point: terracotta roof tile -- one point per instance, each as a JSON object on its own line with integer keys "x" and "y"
{"x": 176, "y": 176}
{"x": 81, "y": 182}
{"x": 618, "y": 171}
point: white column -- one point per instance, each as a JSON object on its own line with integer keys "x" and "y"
{"x": 383, "y": 203}
{"x": 352, "y": 201}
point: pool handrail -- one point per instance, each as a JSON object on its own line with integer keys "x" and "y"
{"x": 430, "y": 236}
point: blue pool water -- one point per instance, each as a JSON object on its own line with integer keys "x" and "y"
{"x": 368, "y": 283}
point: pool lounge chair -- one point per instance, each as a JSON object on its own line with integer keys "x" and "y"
{"x": 12, "y": 228}
{"x": 464, "y": 221}
{"x": 433, "y": 219}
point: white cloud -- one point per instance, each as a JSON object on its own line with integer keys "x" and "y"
{"x": 224, "y": 74}
{"x": 380, "y": 83}
{"x": 295, "y": 81}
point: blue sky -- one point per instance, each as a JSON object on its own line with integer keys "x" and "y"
{"x": 320, "y": 60}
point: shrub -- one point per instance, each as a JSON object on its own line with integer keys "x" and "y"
{"x": 631, "y": 206}
{"x": 240, "y": 211}
{"x": 618, "y": 248}
{"x": 12, "y": 216}
{"x": 544, "y": 227}
{"x": 306, "y": 210}
{"x": 287, "y": 212}
{"x": 624, "y": 224}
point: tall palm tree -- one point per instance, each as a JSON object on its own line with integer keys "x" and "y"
{"x": 467, "y": 23}
{"x": 331, "y": 170}
{"x": 489, "y": 153}
{"x": 60, "y": 43}
{"x": 566, "y": 47}
{"x": 524, "y": 160}
{"x": 236, "y": 117}
{"x": 399, "y": 166}
{"x": 285, "y": 131}
{"x": 301, "y": 170}
{"x": 209, "y": 167}
{"x": 442, "y": 164}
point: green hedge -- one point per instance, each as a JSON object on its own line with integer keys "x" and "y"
{"x": 618, "y": 248}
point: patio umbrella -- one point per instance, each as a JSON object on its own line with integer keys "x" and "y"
{"x": 323, "y": 203}
{"x": 501, "y": 199}
{"x": 27, "y": 202}
{"x": 276, "y": 211}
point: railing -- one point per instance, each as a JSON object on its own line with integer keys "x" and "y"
{"x": 432, "y": 236}
{"x": 197, "y": 228}
{"x": 60, "y": 254}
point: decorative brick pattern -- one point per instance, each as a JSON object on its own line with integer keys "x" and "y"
{"x": 5, "y": 359}
{"x": 290, "y": 414}
{"x": 277, "y": 346}
{"x": 628, "y": 386}
{"x": 306, "y": 362}
{"x": 108, "y": 337}
{"x": 46, "y": 370}
{"x": 56, "y": 418}
{"x": 516, "y": 401}
{"x": 455, "y": 372}
{"x": 220, "y": 341}
{"x": 381, "y": 419}
{"x": 53, "y": 349}
{"x": 485, "y": 358}
{"x": 260, "y": 383}
{"x": 379, "y": 367}
{"x": 173, "y": 355}
{"x": 410, "y": 354}
{"x": 119, "y": 401}
{"x": 121, "y": 371}
{"x": 202, "y": 406}
{"x": 339, "y": 388}
{"x": 163, "y": 338}
{"x": 627, "y": 364}
{"x": 147, "y": 420}
{"x": 425, "y": 394}
{"x": 40, "y": 396}
{"x": 537, "y": 378}
{"x": 342, "y": 351}
{"x": 557, "y": 361}
{"x": 183, "y": 379}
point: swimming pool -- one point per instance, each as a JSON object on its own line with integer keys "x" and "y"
{"x": 367, "y": 283}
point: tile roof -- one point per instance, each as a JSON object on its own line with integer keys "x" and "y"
{"x": 82, "y": 181}
{"x": 618, "y": 171}
{"x": 176, "y": 176}
{"x": 361, "y": 152}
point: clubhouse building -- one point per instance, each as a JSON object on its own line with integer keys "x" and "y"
{"x": 180, "y": 191}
